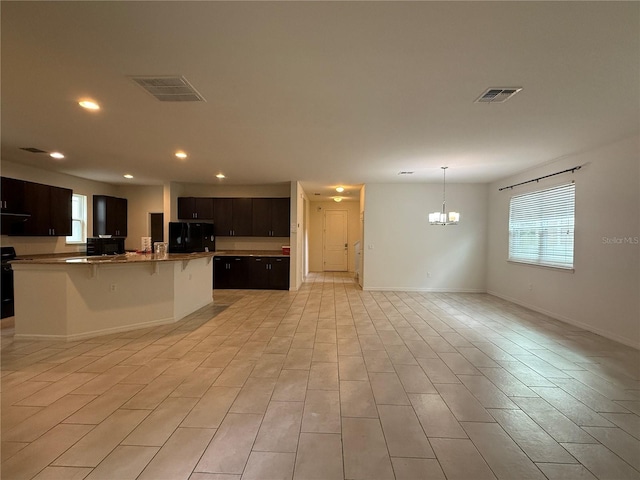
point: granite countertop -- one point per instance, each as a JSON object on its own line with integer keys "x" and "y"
{"x": 78, "y": 258}
{"x": 108, "y": 259}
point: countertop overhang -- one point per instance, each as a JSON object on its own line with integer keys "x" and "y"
{"x": 137, "y": 257}
{"x": 112, "y": 259}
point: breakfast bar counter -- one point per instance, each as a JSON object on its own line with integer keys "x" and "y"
{"x": 71, "y": 298}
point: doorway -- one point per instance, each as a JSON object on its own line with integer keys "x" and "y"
{"x": 335, "y": 241}
{"x": 156, "y": 227}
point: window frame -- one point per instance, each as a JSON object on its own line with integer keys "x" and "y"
{"x": 70, "y": 240}
{"x": 540, "y": 217}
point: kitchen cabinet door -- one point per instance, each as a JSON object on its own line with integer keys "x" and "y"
{"x": 232, "y": 217}
{"x": 258, "y": 273}
{"x": 269, "y": 273}
{"x": 186, "y": 208}
{"x": 271, "y": 217}
{"x": 60, "y": 204}
{"x": 12, "y": 191}
{"x": 36, "y": 202}
{"x": 195, "y": 208}
{"x": 231, "y": 272}
{"x": 279, "y": 273}
{"x": 120, "y": 216}
{"x": 109, "y": 216}
{"x": 204, "y": 208}
{"x": 280, "y": 217}
{"x": 50, "y": 210}
{"x": 240, "y": 275}
{"x": 221, "y": 274}
{"x": 242, "y": 217}
{"x": 223, "y": 217}
{"x": 261, "y": 217}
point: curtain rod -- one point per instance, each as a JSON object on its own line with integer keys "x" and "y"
{"x": 540, "y": 178}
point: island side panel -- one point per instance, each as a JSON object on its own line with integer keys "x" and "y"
{"x": 40, "y": 302}
{"x": 72, "y": 302}
{"x": 119, "y": 297}
{"x": 193, "y": 286}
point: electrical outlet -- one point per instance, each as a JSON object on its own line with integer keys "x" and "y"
{"x": 189, "y": 276}
{"x": 531, "y": 286}
{"x": 371, "y": 246}
{"x": 112, "y": 287}
{"x": 428, "y": 274}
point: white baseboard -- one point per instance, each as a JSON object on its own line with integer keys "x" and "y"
{"x": 96, "y": 333}
{"x": 570, "y": 321}
{"x": 424, "y": 290}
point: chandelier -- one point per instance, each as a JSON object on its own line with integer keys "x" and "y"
{"x": 444, "y": 218}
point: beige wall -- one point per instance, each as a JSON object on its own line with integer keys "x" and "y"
{"x": 266, "y": 191}
{"x": 141, "y": 200}
{"x": 403, "y": 252}
{"x": 602, "y": 295}
{"x": 316, "y": 230}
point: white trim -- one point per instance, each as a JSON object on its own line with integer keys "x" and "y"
{"x": 84, "y": 222}
{"x": 570, "y": 321}
{"x": 541, "y": 265}
{"x": 98, "y": 333}
{"x": 425, "y": 290}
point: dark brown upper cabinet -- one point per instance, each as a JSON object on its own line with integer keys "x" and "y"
{"x": 109, "y": 216}
{"x": 271, "y": 217}
{"x": 49, "y": 208}
{"x": 195, "y": 208}
{"x": 232, "y": 217}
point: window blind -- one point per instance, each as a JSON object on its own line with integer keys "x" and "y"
{"x": 541, "y": 227}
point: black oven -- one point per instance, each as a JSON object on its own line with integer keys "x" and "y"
{"x": 105, "y": 246}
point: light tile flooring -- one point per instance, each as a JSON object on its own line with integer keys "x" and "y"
{"x": 329, "y": 382}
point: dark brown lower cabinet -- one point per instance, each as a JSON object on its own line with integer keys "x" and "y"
{"x": 230, "y": 272}
{"x": 260, "y": 273}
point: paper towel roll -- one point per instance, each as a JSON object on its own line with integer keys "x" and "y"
{"x": 145, "y": 243}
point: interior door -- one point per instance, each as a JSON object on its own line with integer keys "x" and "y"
{"x": 335, "y": 248}
{"x": 156, "y": 227}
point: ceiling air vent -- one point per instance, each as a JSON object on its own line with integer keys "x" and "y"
{"x": 32, "y": 149}
{"x": 169, "y": 88}
{"x": 405, "y": 173}
{"x": 498, "y": 95}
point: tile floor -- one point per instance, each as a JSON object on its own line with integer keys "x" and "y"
{"x": 326, "y": 383}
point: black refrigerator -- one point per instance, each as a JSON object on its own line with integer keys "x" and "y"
{"x": 187, "y": 237}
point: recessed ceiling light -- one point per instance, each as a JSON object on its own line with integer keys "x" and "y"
{"x": 220, "y": 176}
{"x": 56, "y": 155}
{"x": 127, "y": 175}
{"x": 340, "y": 189}
{"x": 180, "y": 154}
{"x": 337, "y": 199}
{"x": 89, "y": 104}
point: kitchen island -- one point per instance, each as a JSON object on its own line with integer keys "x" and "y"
{"x": 73, "y": 298}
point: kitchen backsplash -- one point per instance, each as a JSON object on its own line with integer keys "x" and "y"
{"x": 250, "y": 243}
{"x": 40, "y": 245}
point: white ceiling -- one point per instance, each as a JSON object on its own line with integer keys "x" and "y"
{"x": 326, "y": 93}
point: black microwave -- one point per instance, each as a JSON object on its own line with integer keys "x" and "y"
{"x": 105, "y": 246}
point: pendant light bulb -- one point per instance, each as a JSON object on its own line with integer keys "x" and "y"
{"x": 441, "y": 217}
